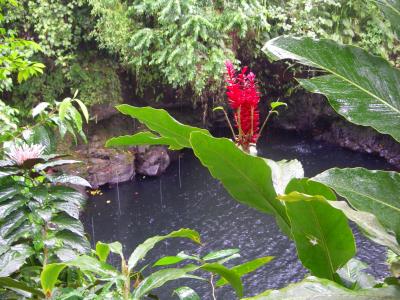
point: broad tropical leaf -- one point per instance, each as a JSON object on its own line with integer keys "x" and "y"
{"x": 361, "y": 87}
{"x": 64, "y": 222}
{"x": 319, "y": 288}
{"x": 283, "y": 171}
{"x": 49, "y": 276}
{"x": 143, "y": 138}
{"x": 247, "y": 178}
{"x": 141, "y": 251}
{"x": 323, "y": 238}
{"x": 376, "y": 192}
{"x": 167, "y": 261}
{"x": 353, "y": 276}
{"x": 310, "y": 187}
{"x": 90, "y": 264}
{"x": 161, "y": 122}
{"x": 67, "y": 238}
{"x": 369, "y": 225}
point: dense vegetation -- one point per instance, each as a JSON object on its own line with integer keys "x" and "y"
{"x": 85, "y": 48}
{"x": 173, "y": 48}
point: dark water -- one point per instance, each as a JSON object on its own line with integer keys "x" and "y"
{"x": 187, "y": 196}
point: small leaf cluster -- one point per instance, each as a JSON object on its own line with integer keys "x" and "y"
{"x": 45, "y": 118}
{"x": 134, "y": 282}
{"x": 58, "y": 26}
{"x": 95, "y": 77}
{"x": 15, "y": 53}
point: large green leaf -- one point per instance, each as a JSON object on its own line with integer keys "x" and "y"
{"x": 90, "y": 264}
{"x": 369, "y": 225}
{"x": 354, "y": 277}
{"x": 70, "y": 239}
{"x": 64, "y": 222}
{"x": 247, "y": 178}
{"x": 310, "y": 187}
{"x": 323, "y": 289}
{"x": 103, "y": 250}
{"x": 229, "y": 275}
{"x": 143, "y": 138}
{"x": 159, "y": 278}
{"x": 324, "y": 240}
{"x": 361, "y": 87}
{"x": 167, "y": 261}
{"x": 141, "y": 251}
{"x": 376, "y": 192}
{"x": 283, "y": 171}
{"x": 67, "y": 194}
{"x": 247, "y": 267}
{"x": 161, "y": 122}
{"x": 49, "y": 276}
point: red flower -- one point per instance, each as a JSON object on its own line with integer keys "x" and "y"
{"x": 243, "y": 95}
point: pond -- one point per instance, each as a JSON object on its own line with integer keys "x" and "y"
{"x": 187, "y": 196}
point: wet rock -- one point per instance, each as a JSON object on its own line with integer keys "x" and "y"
{"x": 152, "y": 160}
{"x": 106, "y": 166}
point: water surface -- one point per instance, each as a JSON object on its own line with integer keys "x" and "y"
{"x": 187, "y": 196}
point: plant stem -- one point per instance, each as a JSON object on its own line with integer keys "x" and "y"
{"x": 127, "y": 282}
{"x": 266, "y": 120}
{"x": 239, "y": 123}
{"x": 212, "y": 286}
{"x": 252, "y": 121}
{"x": 230, "y": 124}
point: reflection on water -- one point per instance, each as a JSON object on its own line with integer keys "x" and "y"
{"x": 187, "y": 196}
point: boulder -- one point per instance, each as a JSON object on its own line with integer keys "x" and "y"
{"x": 151, "y": 160}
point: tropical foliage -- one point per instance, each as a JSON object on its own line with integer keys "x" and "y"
{"x": 181, "y": 44}
{"x": 176, "y": 44}
{"x": 363, "y": 88}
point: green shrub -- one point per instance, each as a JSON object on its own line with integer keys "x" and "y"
{"x": 96, "y": 79}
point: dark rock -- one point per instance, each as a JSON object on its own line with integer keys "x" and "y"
{"x": 107, "y": 166}
{"x": 312, "y": 114}
{"x": 152, "y": 160}
{"x": 102, "y": 111}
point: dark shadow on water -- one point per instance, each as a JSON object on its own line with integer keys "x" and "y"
{"x": 152, "y": 206}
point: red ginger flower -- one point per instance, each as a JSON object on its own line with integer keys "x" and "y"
{"x": 243, "y": 95}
